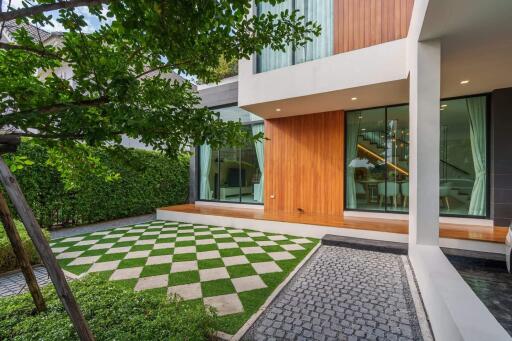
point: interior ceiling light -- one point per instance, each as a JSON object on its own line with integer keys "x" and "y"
{"x": 464, "y": 82}
{"x": 278, "y": 109}
{"x": 444, "y": 105}
{"x": 354, "y": 98}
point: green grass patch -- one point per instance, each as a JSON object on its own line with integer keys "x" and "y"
{"x": 186, "y": 277}
{"x": 258, "y": 257}
{"x": 182, "y": 257}
{"x": 141, "y": 248}
{"x": 209, "y": 247}
{"x": 93, "y": 253}
{"x": 225, "y": 240}
{"x": 230, "y": 252}
{"x": 154, "y": 270}
{"x": 185, "y": 243}
{"x": 161, "y": 252}
{"x": 217, "y": 287}
{"x": 112, "y": 256}
{"x": 78, "y": 269}
{"x": 210, "y": 263}
{"x": 132, "y": 263}
{"x": 241, "y": 270}
{"x": 247, "y": 244}
{"x": 273, "y": 248}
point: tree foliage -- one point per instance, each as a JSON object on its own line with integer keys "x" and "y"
{"x": 121, "y": 81}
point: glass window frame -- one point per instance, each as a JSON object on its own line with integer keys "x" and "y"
{"x": 257, "y": 56}
{"x": 488, "y": 158}
{"x": 198, "y": 163}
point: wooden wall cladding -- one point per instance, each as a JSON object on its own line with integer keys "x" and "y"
{"x": 304, "y": 168}
{"x": 363, "y": 23}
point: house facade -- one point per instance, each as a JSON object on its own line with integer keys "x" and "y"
{"x": 399, "y": 111}
{"x": 343, "y": 115}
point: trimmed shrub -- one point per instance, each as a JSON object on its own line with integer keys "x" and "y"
{"x": 113, "y": 312}
{"x": 148, "y": 180}
{"x": 7, "y": 258}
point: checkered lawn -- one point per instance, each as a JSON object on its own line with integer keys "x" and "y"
{"x": 232, "y": 270}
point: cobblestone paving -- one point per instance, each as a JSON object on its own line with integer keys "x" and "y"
{"x": 13, "y": 283}
{"x": 342, "y": 294}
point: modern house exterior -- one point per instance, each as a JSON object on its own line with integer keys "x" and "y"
{"x": 350, "y": 90}
{"x": 400, "y": 110}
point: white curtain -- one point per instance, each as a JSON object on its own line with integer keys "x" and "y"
{"x": 205, "y": 158}
{"x": 476, "y": 109}
{"x": 352, "y": 132}
{"x": 270, "y": 59}
{"x": 258, "y": 145}
{"x": 321, "y": 12}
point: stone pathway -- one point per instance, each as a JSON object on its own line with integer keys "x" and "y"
{"x": 13, "y": 283}
{"x": 343, "y": 294}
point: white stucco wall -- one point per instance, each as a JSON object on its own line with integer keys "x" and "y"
{"x": 372, "y": 65}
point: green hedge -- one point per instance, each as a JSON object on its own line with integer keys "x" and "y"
{"x": 7, "y": 257}
{"x": 113, "y": 312}
{"x": 148, "y": 180}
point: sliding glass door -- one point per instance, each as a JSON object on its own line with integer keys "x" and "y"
{"x": 377, "y": 158}
{"x": 233, "y": 174}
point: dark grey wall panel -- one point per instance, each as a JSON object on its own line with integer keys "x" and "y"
{"x": 221, "y": 94}
{"x": 501, "y": 156}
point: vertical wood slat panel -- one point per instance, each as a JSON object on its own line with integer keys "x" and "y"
{"x": 304, "y": 164}
{"x": 363, "y": 23}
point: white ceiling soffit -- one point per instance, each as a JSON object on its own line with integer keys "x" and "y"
{"x": 394, "y": 92}
{"x": 476, "y": 40}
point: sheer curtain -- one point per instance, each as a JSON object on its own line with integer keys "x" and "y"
{"x": 269, "y": 59}
{"x": 476, "y": 109}
{"x": 351, "y": 138}
{"x": 205, "y": 157}
{"x": 321, "y": 12}
{"x": 259, "y": 147}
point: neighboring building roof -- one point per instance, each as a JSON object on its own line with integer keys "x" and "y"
{"x": 36, "y": 33}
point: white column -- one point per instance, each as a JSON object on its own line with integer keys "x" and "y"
{"x": 424, "y": 115}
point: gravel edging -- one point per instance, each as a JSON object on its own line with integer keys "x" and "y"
{"x": 101, "y": 226}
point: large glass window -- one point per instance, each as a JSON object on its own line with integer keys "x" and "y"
{"x": 233, "y": 174}
{"x": 377, "y": 159}
{"x": 463, "y": 166}
{"x": 377, "y": 156}
{"x": 320, "y": 12}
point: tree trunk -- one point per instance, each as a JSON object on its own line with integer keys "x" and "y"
{"x": 21, "y": 254}
{"x": 43, "y": 248}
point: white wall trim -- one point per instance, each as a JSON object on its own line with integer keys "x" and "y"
{"x": 398, "y": 216}
{"x": 454, "y": 310}
{"x": 473, "y": 245}
{"x": 228, "y": 205}
{"x": 376, "y": 215}
{"x": 466, "y": 221}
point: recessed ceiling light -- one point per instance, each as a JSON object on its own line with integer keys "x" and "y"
{"x": 278, "y": 109}
{"x": 354, "y": 98}
{"x": 444, "y": 105}
{"x": 442, "y": 109}
{"x": 363, "y": 129}
{"x": 464, "y": 82}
